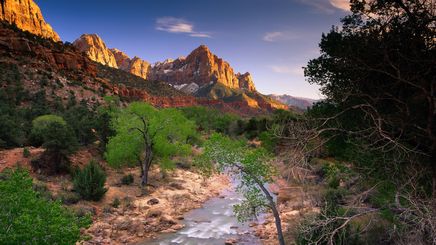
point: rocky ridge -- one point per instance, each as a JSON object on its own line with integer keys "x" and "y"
{"x": 66, "y": 72}
{"x": 201, "y": 67}
{"x": 94, "y": 47}
{"x": 200, "y": 74}
{"x": 26, "y": 15}
{"x": 298, "y": 102}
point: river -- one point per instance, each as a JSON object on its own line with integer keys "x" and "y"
{"x": 213, "y": 224}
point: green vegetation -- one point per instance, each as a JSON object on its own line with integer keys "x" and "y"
{"x": 145, "y": 134}
{"x": 89, "y": 182}
{"x": 27, "y": 218}
{"x": 57, "y": 138}
{"x": 127, "y": 179}
{"x": 26, "y": 152}
{"x": 253, "y": 168}
{"x": 376, "y": 72}
{"x": 208, "y": 120}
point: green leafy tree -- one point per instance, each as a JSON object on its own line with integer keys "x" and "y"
{"x": 378, "y": 71}
{"x": 144, "y": 134}
{"x": 251, "y": 165}
{"x": 26, "y": 218}
{"x": 89, "y": 182}
{"x": 57, "y": 138}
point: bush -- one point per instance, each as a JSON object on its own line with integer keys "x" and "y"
{"x": 26, "y": 153}
{"x": 116, "y": 202}
{"x": 68, "y": 198}
{"x": 57, "y": 138}
{"x": 89, "y": 182}
{"x": 27, "y": 218}
{"x": 127, "y": 179}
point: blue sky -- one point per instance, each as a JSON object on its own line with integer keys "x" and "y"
{"x": 271, "y": 39}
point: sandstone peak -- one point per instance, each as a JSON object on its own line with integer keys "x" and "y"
{"x": 95, "y": 49}
{"x": 201, "y": 67}
{"x": 202, "y": 48}
{"x": 26, "y": 15}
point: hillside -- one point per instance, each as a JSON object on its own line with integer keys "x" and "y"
{"x": 298, "y": 102}
{"x": 201, "y": 74}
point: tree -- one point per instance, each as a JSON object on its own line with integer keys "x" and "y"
{"x": 89, "y": 182}
{"x": 378, "y": 74}
{"x": 251, "y": 165}
{"x": 27, "y": 218}
{"x": 57, "y": 138}
{"x": 144, "y": 134}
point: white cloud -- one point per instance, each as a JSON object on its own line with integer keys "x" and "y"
{"x": 341, "y": 4}
{"x": 298, "y": 71}
{"x": 200, "y": 35}
{"x": 328, "y": 6}
{"x": 178, "y": 25}
{"x": 278, "y": 36}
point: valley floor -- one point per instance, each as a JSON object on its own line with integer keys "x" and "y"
{"x": 125, "y": 216}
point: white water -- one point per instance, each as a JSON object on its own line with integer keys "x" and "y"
{"x": 212, "y": 224}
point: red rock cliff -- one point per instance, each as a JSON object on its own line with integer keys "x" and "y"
{"x": 26, "y": 15}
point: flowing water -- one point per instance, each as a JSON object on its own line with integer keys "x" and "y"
{"x": 212, "y": 224}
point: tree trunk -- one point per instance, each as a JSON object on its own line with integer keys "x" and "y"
{"x": 146, "y": 166}
{"x": 273, "y": 208}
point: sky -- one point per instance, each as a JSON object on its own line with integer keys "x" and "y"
{"x": 271, "y": 39}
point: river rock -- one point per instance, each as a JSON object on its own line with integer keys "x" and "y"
{"x": 230, "y": 241}
{"x": 153, "y": 201}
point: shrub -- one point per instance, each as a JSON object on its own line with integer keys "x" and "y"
{"x": 25, "y": 217}
{"x": 89, "y": 182}
{"x": 127, "y": 179}
{"x": 116, "y": 202}
{"x": 26, "y": 153}
{"x": 57, "y": 138}
{"x": 68, "y": 198}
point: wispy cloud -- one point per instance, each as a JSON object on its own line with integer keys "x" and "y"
{"x": 327, "y": 6}
{"x": 278, "y": 36}
{"x": 341, "y": 4}
{"x": 285, "y": 69}
{"x": 179, "y": 26}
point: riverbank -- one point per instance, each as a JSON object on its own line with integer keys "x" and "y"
{"x": 124, "y": 215}
{"x": 138, "y": 217}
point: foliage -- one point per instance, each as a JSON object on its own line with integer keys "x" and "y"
{"x": 26, "y": 152}
{"x": 27, "y": 218}
{"x": 127, "y": 179}
{"x": 377, "y": 73}
{"x": 210, "y": 119}
{"x": 90, "y": 181}
{"x": 57, "y": 138}
{"x": 144, "y": 133}
{"x": 116, "y": 202}
{"x": 251, "y": 165}
{"x": 54, "y": 134}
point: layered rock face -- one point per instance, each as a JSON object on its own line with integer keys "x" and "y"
{"x": 26, "y": 15}
{"x": 201, "y": 67}
{"x": 136, "y": 66}
{"x": 246, "y": 81}
{"x": 95, "y": 49}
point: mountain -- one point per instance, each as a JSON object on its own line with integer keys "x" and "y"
{"x": 93, "y": 46}
{"x": 26, "y": 15}
{"x": 201, "y": 67}
{"x": 301, "y": 103}
{"x": 201, "y": 74}
{"x": 54, "y": 73}
{"x": 136, "y": 66}
{"x": 88, "y": 70}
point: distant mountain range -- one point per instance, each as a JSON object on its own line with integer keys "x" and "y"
{"x": 301, "y": 103}
{"x": 202, "y": 78}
